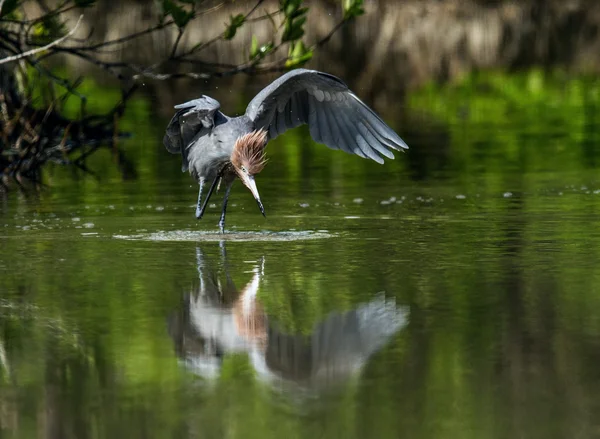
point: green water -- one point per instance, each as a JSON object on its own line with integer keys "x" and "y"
{"x": 452, "y": 293}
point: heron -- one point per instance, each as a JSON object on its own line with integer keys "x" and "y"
{"x": 217, "y": 148}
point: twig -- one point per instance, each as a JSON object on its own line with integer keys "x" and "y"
{"x": 268, "y": 15}
{"x": 47, "y": 13}
{"x": 144, "y": 32}
{"x": 177, "y": 40}
{"x": 219, "y": 37}
{"x": 207, "y": 64}
{"x": 327, "y": 37}
{"x": 126, "y": 38}
{"x": 201, "y": 46}
{"x": 41, "y": 49}
{"x": 60, "y": 81}
{"x": 256, "y": 6}
{"x": 108, "y": 66}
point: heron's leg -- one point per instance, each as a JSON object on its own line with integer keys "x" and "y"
{"x": 201, "y": 184}
{"x": 225, "y": 199}
{"x": 225, "y": 260}
{"x": 223, "y": 251}
{"x": 201, "y": 269}
{"x": 210, "y": 191}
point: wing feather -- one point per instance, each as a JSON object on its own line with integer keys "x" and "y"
{"x": 313, "y": 124}
{"x": 322, "y": 121}
{"x": 297, "y": 110}
{"x": 363, "y": 145}
{"x": 287, "y": 112}
{"x": 334, "y": 114}
{"x": 193, "y": 119}
{"x": 375, "y": 144}
{"x": 281, "y": 122}
{"x": 347, "y": 139}
{"x": 334, "y": 130}
{"x": 379, "y": 125}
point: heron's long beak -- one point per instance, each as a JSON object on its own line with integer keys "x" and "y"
{"x": 251, "y": 184}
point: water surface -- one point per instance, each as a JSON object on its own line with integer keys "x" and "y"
{"x": 454, "y": 292}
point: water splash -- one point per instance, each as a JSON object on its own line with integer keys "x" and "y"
{"x": 195, "y": 236}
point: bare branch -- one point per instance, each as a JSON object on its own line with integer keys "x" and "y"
{"x": 219, "y": 37}
{"x": 107, "y": 66}
{"x": 256, "y": 6}
{"x": 128, "y": 37}
{"x": 60, "y": 81}
{"x": 327, "y": 37}
{"x": 174, "y": 50}
{"x": 41, "y": 49}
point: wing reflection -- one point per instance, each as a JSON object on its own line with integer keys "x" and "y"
{"x": 218, "y": 319}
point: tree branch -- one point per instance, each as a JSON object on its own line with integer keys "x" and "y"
{"x": 128, "y": 37}
{"x": 219, "y": 37}
{"x": 43, "y": 48}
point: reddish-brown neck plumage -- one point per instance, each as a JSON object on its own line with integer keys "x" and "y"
{"x": 249, "y": 152}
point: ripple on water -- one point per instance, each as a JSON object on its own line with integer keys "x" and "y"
{"x": 194, "y": 236}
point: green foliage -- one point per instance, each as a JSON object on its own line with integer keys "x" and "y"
{"x": 298, "y": 54}
{"x": 259, "y": 52}
{"x": 48, "y": 29}
{"x": 180, "y": 15}
{"x": 292, "y": 8}
{"x": 555, "y": 110}
{"x": 352, "y": 8}
{"x": 293, "y": 30}
{"x": 235, "y": 23}
{"x": 295, "y": 18}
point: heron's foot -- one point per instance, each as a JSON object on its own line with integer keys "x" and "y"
{"x": 222, "y": 227}
{"x": 198, "y": 213}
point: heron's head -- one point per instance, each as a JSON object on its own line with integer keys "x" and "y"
{"x": 248, "y": 159}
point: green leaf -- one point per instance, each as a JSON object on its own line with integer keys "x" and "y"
{"x": 299, "y": 12}
{"x": 180, "y": 16}
{"x": 293, "y": 30}
{"x": 257, "y": 52}
{"x": 254, "y": 47}
{"x": 352, "y": 8}
{"x": 232, "y": 27}
{"x": 48, "y": 30}
{"x": 299, "y": 22}
{"x": 265, "y": 49}
{"x": 298, "y": 55}
{"x": 289, "y": 7}
{"x": 84, "y": 3}
{"x": 294, "y": 21}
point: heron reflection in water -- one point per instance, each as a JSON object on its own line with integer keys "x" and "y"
{"x": 218, "y": 319}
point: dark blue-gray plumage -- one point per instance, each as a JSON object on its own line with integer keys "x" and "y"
{"x": 218, "y": 148}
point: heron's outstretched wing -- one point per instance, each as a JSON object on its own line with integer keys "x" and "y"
{"x": 188, "y": 122}
{"x": 334, "y": 114}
